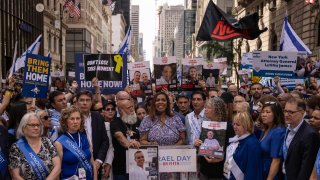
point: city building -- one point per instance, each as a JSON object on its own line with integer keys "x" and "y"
{"x": 85, "y": 33}
{"x": 21, "y": 23}
{"x": 169, "y": 17}
{"x": 53, "y": 40}
{"x": 135, "y": 32}
{"x": 141, "y": 51}
{"x": 123, "y": 7}
{"x": 118, "y": 31}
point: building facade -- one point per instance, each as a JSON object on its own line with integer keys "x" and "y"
{"x": 135, "y": 32}
{"x": 21, "y": 23}
{"x": 169, "y": 18}
{"x": 52, "y": 33}
{"x": 118, "y": 31}
{"x": 303, "y": 17}
{"x": 85, "y": 33}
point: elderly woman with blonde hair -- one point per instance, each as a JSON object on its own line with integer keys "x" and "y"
{"x": 33, "y": 156}
{"x": 243, "y": 158}
{"x": 73, "y": 146}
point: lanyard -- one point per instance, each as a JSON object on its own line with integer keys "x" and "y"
{"x": 79, "y": 144}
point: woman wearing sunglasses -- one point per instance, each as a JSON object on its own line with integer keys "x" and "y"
{"x": 271, "y": 138}
{"x": 45, "y": 119}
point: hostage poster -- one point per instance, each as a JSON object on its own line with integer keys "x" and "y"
{"x": 191, "y": 73}
{"x": 213, "y": 136}
{"x": 165, "y": 73}
{"x": 140, "y": 78}
{"x": 142, "y": 163}
{"x": 210, "y": 74}
{"x": 36, "y": 76}
{"x": 114, "y": 81}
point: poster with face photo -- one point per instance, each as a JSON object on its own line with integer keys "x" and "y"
{"x": 165, "y": 73}
{"x": 213, "y": 136}
{"x": 223, "y": 66}
{"x": 245, "y": 80}
{"x": 143, "y": 163}
{"x": 191, "y": 73}
{"x": 139, "y": 78}
{"x": 210, "y": 74}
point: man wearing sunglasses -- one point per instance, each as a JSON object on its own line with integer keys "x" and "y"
{"x": 301, "y": 142}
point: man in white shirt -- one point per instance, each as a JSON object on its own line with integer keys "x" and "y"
{"x": 138, "y": 172}
{"x": 194, "y": 119}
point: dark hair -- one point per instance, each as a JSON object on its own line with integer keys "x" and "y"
{"x": 256, "y": 83}
{"x": 54, "y": 94}
{"x": 203, "y": 95}
{"x": 140, "y": 105}
{"x": 277, "y": 111}
{"x": 85, "y": 92}
{"x": 153, "y": 110}
{"x": 314, "y": 102}
{"x": 17, "y": 111}
{"x": 301, "y": 105}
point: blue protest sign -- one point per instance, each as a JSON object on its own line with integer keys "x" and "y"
{"x": 110, "y": 84}
{"x": 36, "y": 76}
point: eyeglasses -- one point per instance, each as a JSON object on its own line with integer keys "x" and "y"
{"x": 290, "y": 112}
{"x": 45, "y": 117}
{"x": 34, "y": 125}
{"x": 110, "y": 109}
{"x": 270, "y": 102}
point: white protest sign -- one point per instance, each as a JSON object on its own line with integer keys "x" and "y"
{"x": 274, "y": 63}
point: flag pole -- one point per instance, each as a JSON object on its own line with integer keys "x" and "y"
{"x": 13, "y": 60}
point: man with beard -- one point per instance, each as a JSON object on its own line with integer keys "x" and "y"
{"x": 124, "y": 135}
{"x": 256, "y": 93}
{"x": 95, "y": 129}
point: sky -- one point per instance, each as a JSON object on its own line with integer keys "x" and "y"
{"x": 147, "y": 18}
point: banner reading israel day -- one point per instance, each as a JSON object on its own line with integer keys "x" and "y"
{"x": 36, "y": 76}
{"x": 173, "y": 159}
{"x": 114, "y": 67}
{"x": 274, "y": 63}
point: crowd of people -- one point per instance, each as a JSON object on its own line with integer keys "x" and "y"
{"x": 271, "y": 133}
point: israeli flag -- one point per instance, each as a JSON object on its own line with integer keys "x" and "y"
{"x": 126, "y": 43}
{"x": 290, "y": 41}
{"x": 33, "y": 49}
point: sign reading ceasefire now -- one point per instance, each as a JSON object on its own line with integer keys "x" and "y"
{"x": 36, "y": 76}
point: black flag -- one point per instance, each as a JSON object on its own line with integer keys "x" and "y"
{"x": 217, "y": 25}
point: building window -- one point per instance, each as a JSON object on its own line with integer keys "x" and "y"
{"x": 274, "y": 41}
{"x": 318, "y": 32}
{"x": 49, "y": 42}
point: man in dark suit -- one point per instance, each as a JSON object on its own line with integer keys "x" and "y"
{"x": 95, "y": 128}
{"x": 301, "y": 142}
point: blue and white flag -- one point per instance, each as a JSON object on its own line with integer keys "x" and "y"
{"x": 124, "y": 47}
{"x": 290, "y": 41}
{"x": 33, "y": 49}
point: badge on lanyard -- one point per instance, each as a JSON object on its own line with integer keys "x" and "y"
{"x": 82, "y": 173}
